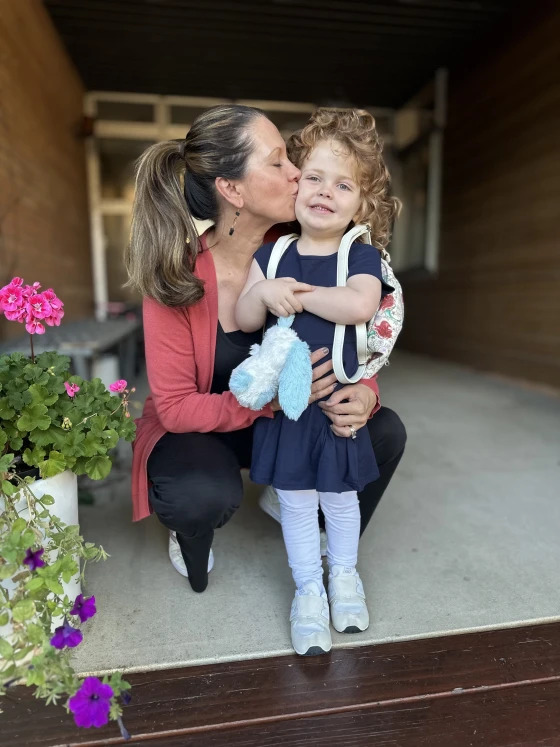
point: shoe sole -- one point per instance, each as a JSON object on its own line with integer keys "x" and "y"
{"x": 314, "y": 651}
{"x": 352, "y": 629}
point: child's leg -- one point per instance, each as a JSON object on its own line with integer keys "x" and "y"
{"x": 300, "y": 527}
{"x": 342, "y": 521}
{"x": 309, "y": 614}
{"x": 349, "y": 613}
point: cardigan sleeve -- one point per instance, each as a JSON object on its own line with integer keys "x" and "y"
{"x": 374, "y": 386}
{"x": 172, "y": 375}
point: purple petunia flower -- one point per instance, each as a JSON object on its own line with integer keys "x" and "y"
{"x": 33, "y": 558}
{"x": 91, "y": 703}
{"x": 66, "y": 635}
{"x": 84, "y": 608}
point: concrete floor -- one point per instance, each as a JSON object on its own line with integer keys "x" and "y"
{"x": 466, "y": 538}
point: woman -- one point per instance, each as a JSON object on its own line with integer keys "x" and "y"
{"x": 193, "y": 436}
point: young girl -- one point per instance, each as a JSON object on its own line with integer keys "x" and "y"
{"x": 343, "y": 181}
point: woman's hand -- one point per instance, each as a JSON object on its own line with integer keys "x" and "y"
{"x": 324, "y": 380}
{"x": 353, "y": 412}
{"x": 279, "y": 297}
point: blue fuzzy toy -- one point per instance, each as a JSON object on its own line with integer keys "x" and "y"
{"x": 280, "y": 365}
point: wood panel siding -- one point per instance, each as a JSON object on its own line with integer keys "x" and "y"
{"x": 44, "y": 229}
{"x": 495, "y": 301}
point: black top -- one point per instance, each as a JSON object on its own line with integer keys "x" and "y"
{"x": 231, "y": 349}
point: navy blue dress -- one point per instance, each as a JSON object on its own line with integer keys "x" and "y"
{"x": 305, "y": 454}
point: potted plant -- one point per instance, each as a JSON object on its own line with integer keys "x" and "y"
{"x": 53, "y": 427}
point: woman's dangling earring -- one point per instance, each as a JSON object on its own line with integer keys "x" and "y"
{"x": 232, "y": 229}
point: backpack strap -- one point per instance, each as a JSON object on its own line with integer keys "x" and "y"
{"x": 277, "y": 252}
{"x": 342, "y": 275}
{"x": 339, "y": 330}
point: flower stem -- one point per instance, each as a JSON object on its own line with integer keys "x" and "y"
{"x": 32, "y": 351}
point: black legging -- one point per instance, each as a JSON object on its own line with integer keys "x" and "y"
{"x": 197, "y": 487}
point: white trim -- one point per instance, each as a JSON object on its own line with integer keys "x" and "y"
{"x": 115, "y": 207}
{"x": 433, "y": 208}
{"x": 98, "y": 260}
{"x": 123, "y": 98}
{"x": 278, "y": 106}
{"x": 128, "y": 130}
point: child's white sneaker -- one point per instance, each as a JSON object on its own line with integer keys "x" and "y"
{"x": 349, "y": 613}
{"x": 309, "y": 618}
{"x": 176, "y": 556}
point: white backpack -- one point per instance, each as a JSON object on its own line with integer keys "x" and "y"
{"x": 374, "y": 340}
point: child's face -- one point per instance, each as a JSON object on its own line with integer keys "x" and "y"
{"x": 328, "y": 197}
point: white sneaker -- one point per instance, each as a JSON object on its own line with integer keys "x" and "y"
{"x": 349, "y": 613}
{"x": 309, "y": 618}
{"x": 176, "y": 556}
{"x": 269, "y": 503}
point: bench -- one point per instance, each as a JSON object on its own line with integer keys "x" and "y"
{"x": 85, "y": 342}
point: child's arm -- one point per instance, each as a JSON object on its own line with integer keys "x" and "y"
{"x": 260, "y": 295}
{"x": 354, "y": 304}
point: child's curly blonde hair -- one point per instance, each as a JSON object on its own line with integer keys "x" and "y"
{"x": 354, "y": 130}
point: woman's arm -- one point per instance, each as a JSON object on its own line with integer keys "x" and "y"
{"x": 171, "y": 366}
{"x": 356, "y": 303}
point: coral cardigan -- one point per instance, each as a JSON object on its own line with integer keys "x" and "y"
{"x": 180, "y": 347}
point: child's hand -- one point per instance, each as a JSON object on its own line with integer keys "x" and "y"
{"x": 279, "y": 297}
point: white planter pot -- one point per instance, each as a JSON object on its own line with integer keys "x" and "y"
{"x": 64, "y": 489}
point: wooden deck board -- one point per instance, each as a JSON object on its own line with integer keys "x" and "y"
{"x": 491, "y": 688}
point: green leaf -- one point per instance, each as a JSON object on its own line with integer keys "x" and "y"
{"x": 22, "y": 653}
{"x": 34, "y": 583}
{"x": 34, "y": 456}
{"x": 28, "y": 538}
{"x": 8, "y": 488}
{"x": 6, "y": 651}
{"x": 6, "y": 412}
{"x": 53, "y": 585}
{"x": 5, "y": 462}
{"x": 111, "y": 438}
{"x": 53, "y": 465}
{"x": 16, "y": 442}
{"x": 35, "y": 633}
{"x": 19, "y": 525}
{"x": 93, "y": 444}
{"x": 47, "y": 500}
{"x": 7, "y": 570}
{"x": 4, "y": 617}
{"x": 3, "y": 438}
{"x": 98, "y": 467}
{"x": 23, "y": 610}
{"x": 40, "y": 394}
{"x": 34, "y": 416}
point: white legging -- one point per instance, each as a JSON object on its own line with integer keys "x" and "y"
{"x": 300, "y": 526}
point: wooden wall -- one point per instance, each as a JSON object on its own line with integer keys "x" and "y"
{"x": 44, "y": 233}
{"x": 495, "y": 302}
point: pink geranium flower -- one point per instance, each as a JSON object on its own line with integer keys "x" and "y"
{"x": 34, "y": 327}
{"x": 38, "y": 307}
{"x": 118, "y": 386}
{"x": 71, "y": 389}
{"x": 11, "y": 297}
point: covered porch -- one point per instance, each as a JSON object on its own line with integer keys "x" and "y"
{"x": 465, "y": 539}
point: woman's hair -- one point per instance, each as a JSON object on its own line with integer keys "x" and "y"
{"x": 175, "y": 182}
{"x": 354, "y": 130}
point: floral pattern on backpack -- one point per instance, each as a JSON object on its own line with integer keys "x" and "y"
{"x": 384, "y": 328}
